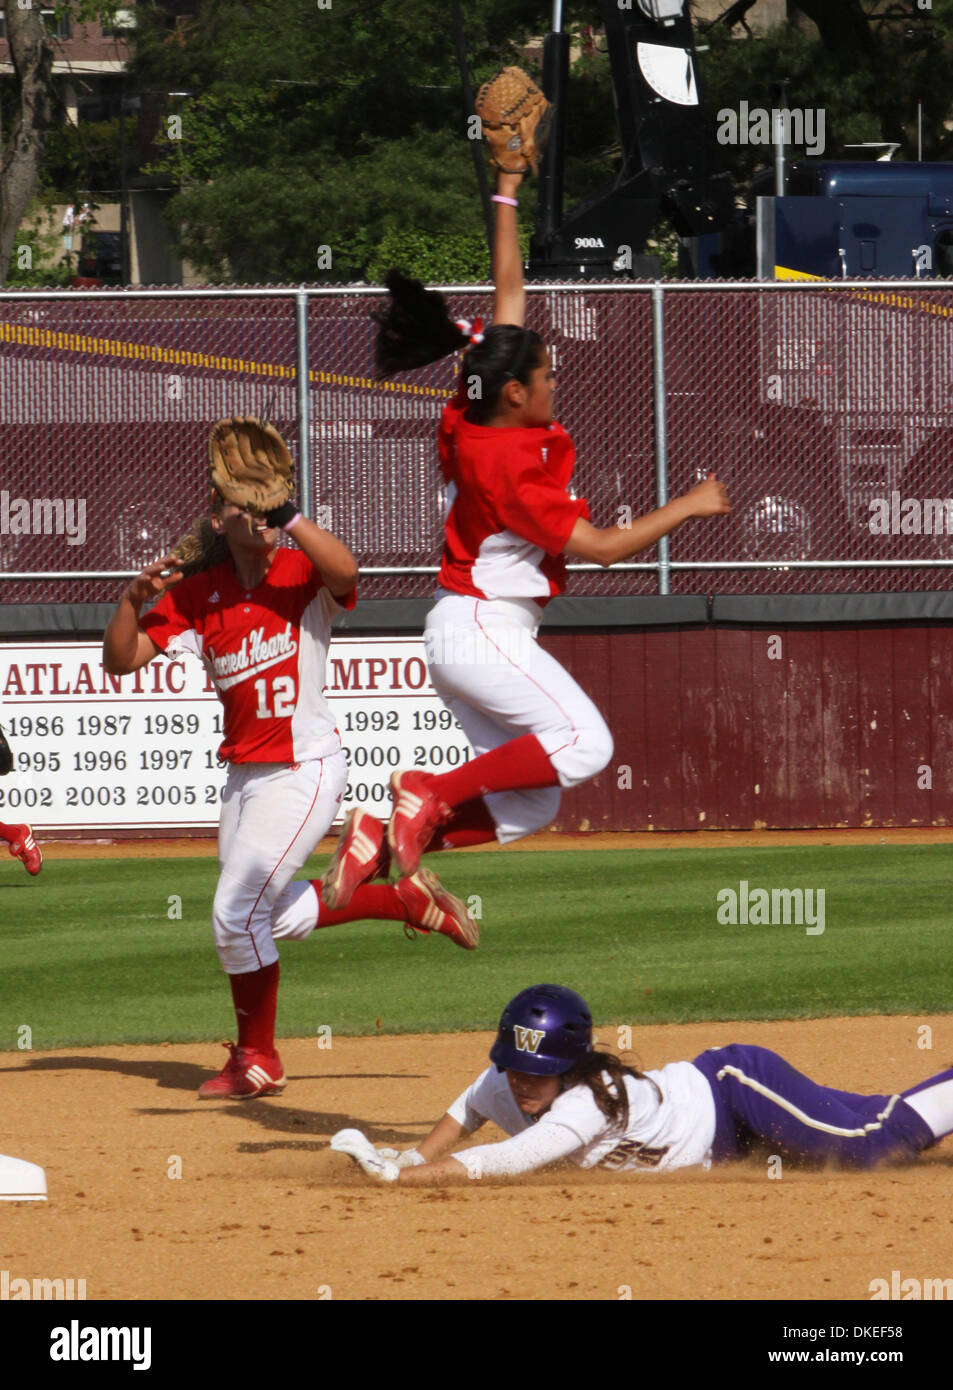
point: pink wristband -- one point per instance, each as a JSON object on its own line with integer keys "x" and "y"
{"x": 500, "y": 198}
{"x": 289, "y": 524}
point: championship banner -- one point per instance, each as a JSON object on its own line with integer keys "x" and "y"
{"x": 98, "y": 752}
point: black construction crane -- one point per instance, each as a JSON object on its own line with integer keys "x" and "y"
{"x": 669, "y": 159}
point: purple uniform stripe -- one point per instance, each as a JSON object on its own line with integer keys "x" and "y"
{"x": 761, "y": 1099}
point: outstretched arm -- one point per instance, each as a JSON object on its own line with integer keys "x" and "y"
{"x": 445, "y": 1170}
{"x": 544, "y": 1143}
{"x": 445, "y": 1133}
{"x": 436, "y": 1169}
{"x": 509, "y": 299}
{"x": 609, "y": 544}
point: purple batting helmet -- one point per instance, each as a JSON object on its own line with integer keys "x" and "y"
{"x": 545, "y": 1031}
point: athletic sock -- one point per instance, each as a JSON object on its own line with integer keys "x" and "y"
{"x": 255, "y": 997}
{"x": 933, "y": 1102}
{"x": 470, "y": 824}
{"x": 369, "y": 900}
{"x": 8, "y": 832}
{"x": 519, "y": 764}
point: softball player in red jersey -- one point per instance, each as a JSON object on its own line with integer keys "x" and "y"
{"x": 507, "y": 467}
{"x": 259, "y": 617}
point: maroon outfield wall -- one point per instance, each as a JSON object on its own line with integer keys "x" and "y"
{"x": 725, "y": 728}
{"x": 734, "y": 726}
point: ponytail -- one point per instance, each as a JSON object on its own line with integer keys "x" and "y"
{"x": 416, "y": 328}
{"x": 611, "y": 1097}
{"x": 201, "y": 547}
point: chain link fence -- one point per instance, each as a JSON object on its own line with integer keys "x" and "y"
{"x": 826, "y": 410}
{"x": 828, "y": 413}
{"x": 105, "y": 404}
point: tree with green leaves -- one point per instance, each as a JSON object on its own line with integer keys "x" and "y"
{"x": 321, "y": 142}
{"x": 868, "y": 68}
{"x": 23, "y": 147}
{"x": 31, "y": 55}
{"x": 312, "y": 137}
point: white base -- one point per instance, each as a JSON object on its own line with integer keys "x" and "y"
{"x": 21, "y": 1181}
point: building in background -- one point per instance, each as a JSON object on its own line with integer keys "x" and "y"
{"x": 130, "y": 242}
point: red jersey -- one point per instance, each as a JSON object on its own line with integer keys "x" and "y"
{"x": 265, "y": 650}
{"x": 510, "y": 512}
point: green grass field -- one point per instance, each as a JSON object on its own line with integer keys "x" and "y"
{"x": 90, "y": 956}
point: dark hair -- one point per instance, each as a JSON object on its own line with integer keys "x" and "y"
{"x": 610, "y": 1097}
{"x": 415, "y": 328}
{"x": 201, "y": 547}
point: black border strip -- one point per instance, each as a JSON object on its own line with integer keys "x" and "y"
{"x": 76, "y": 620}
{"x": 751, "y": 609}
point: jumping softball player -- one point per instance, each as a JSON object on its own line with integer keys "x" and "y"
{"x": 259, "y": 617}
{"x": 559, "y": 1098}
{"x": 507, "y": 466}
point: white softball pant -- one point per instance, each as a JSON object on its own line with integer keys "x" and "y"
{"x": 489, "y": 670}
{"x": 273, "y": 816}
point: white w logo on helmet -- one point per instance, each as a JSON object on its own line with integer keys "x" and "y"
{"x": 528, "y": 1039}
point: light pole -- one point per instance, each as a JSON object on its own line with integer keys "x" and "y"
{"x": 123, "y": 240}
{"x": 131, "y": 104}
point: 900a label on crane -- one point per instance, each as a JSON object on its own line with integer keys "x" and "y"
{"x": 98, "y": 752}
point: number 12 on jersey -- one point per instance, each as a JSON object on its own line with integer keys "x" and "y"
{"x": 282, "y": 698}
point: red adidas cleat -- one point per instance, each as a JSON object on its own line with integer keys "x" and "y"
{"x": 26, "y": 848}
{"x": 361, "y": 855}
{"x": 246, "y": 1074}
{"x": 430, "y": 908}
{"x": 416, "y": 815}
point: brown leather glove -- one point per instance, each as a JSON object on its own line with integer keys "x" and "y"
{"x": 515, "y": 117}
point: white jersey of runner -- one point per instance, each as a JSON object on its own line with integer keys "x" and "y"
{"x": 676, "y": 1132}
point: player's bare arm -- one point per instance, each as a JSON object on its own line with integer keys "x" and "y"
{"x": 330, "y": 556}
{"x": 426, "y": 1157}
{"x": 125, "y": 646}
{"x": 509, "y": 298}
{"x": 445, "y": 1133}
{"x": 439, "y": 1174}
{"x": 610, "y": 544}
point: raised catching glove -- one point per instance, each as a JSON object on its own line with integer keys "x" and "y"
{"x": 6, "y": 756}
{"x": 360, "y": 1148}
{"x": 249, "y": 465}
{"x": 515, "y": 117}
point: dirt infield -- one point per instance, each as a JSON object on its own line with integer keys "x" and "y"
{"x": 262, "y": 1209}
